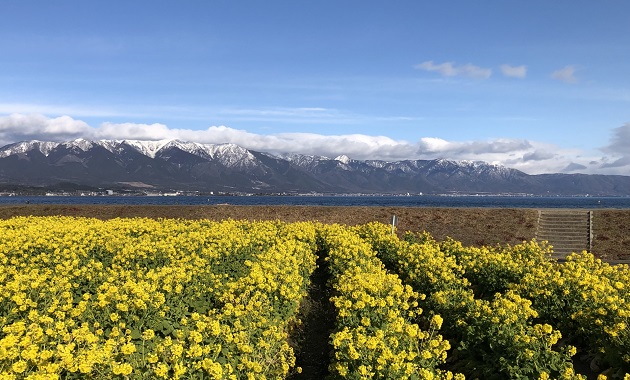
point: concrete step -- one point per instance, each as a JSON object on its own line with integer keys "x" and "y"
{"x": 559, "y": 244}
{"x": 582, "y": 220}
{"x": 565, "y": 235}
{"x": 566, "y": 231}
{"x": 563, "y": 224}
{"x": 562, "y": 221}
{"x": 560, "y": 228}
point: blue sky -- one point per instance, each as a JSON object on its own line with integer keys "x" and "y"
{"x": 541, "y": 86}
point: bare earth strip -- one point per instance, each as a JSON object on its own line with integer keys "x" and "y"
{"x": 471, "y": 226}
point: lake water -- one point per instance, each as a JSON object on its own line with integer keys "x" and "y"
{"x": 386, "y": 201}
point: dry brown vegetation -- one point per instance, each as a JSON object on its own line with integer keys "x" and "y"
{"x": 471, "y": 226}
{"x": 611, "y": 233}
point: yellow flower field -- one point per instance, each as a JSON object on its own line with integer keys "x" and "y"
{"x": 144, "y": 299}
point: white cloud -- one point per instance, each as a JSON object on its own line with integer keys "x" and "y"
{"x": 620, "y": 141}
{"x": 355, "y": 146}
{"x": 134, "y": 131}
{"x": 447, "y": 149}
{"x": 449, "y": 69}
{"x": 565, "y": 74}
{"x": 429, "y": 145}
{"x": 620, "y": 163}
{"x": 538, "y": 155}
{"x": 514, "y": 71}
{"x": 18, "y": 127}
{"x": 574, "y": 167}
{"x": 532, "y": 157}
{"x": 619, "y": 150}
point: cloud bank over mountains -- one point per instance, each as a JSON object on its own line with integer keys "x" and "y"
{"x": 532, "y": 157}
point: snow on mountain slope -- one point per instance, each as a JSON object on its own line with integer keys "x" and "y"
{"x": 300, "y": 160}
{"x": 26, "y": 146}
{"x": 148, "y": 148}
{"x": 343, "y": 159}
{"x": 80, "y": 144}
{"x": 235, "y": 156}
{"x": 196, "y": 149}
{"x": 232, "y": 155}
{"x": 230, "y": 167}
{"x": 398, "y": 166}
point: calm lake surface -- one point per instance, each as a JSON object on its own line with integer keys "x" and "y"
{"x": 386, "y": 201}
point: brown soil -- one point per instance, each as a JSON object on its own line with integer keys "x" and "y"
{"x": 611, "y": 234}
{"x": 471, "y": 226}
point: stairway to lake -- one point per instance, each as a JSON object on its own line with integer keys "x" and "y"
{"x": 566, "y": 230}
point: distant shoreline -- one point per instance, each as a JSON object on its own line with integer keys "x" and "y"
{"x": 457, "y": 201}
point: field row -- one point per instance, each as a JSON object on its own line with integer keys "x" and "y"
{"x": 150, "y": 299}
{"x": 511, "y": 311}
{"x": 142, "y": 298}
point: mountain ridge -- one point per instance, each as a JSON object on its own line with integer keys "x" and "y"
{"x": 192, "y": 166}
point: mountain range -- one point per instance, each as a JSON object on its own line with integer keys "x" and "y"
{"x": 168, "y": 165}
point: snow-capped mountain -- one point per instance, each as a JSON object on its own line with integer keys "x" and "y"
{"x": 230, "y": 152}
{"x": 181, "y": 165}
{"x": 27, "y": 146}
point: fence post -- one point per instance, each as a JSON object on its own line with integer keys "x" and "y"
{"x": 590, "y": 231}
{"x": 394, "y": 223}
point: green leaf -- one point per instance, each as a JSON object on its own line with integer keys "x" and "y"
{"x": 135, "y": 334}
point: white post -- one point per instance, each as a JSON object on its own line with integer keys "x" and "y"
{"x": 590, "y": 231}
{"x": 394, "y": 223}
